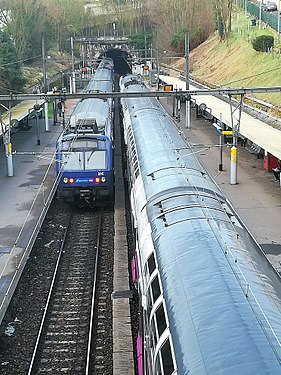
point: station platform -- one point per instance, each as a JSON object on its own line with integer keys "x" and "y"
{"x": 257, "y": 195}
{"x": 259, "y": 132}
{"x": 25, "y": 197}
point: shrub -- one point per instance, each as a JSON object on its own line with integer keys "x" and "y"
{"x": 263, "y": 43}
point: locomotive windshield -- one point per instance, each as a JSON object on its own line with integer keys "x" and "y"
{"x": 84, "y": 160}
{"x": 95, "y": 160}
{"x": 83, "y": 154}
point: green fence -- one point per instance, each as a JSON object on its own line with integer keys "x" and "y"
{"x": 267, "y": 17}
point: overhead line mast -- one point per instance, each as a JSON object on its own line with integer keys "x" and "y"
{"x": 178, "y": 94}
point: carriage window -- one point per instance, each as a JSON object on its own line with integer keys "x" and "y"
{"x": 151, "y": 263}
{"x": 167, "y": 359}
{"x": 137, "y": 172}
{"x": 154, "y": 334}
{"x": 164, "y": 358}
{"x": 161, "y": 320}
{"x": 155, "y": 286}
{"x": 135, "y": 166}
{"x": 130, "y": 150}
{"x": 134, "y": 150}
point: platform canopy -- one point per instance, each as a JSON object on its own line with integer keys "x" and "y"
{"x": 19, "y": 112}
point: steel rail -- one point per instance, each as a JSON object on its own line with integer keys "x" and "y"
{"x": 93, "y": 296}
{"x": 33, "y": 358}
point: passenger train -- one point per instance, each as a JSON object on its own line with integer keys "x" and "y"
{"x": 84, "y": 160}
{"x": 210, "y": 301}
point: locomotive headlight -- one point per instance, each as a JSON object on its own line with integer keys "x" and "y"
{"x": 103, "y": 179}
{"x": 71, "y": 180}
{"x": 97, "y": 180}
{"x": 65, "y": 180}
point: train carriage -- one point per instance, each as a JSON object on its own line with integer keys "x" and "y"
{"x": 210, "y": 299}
{"x": 85, "y": 150}
{"x": 94, "y": 111}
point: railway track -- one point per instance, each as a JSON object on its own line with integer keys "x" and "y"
{"x": 77, "y": 304}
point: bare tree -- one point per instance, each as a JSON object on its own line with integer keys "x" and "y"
{"x": 174, "y": 17}
{"x": 223, "y": 16}
{"x": 229, "y": 7}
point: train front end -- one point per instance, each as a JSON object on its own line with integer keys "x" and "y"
{"x": 85, "y": 169}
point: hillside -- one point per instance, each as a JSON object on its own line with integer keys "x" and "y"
{"x": 234, "y": 63}
{"x": 56, "y": 64}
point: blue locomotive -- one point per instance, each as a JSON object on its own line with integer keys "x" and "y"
{"x": 210, "y": 300}
{"x": 84, "y": 160}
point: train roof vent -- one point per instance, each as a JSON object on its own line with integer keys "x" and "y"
{"x": 87, "y": 126}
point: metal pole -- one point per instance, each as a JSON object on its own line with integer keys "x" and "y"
{"x": 9, "y": 144}
{"x": 55, "y": 114}
{"x": 233, "y": 151}
{"x": 157, "y": 59}
{"x": 233, "y": 161}
{"x": 233, "y": 165}
{"x": 46, "y": 115}
{"x": 72, "y": 64}
{"x": 151, "y": 67}
{"x": 145, "y": 46}
{"x": 44, "y": 65}
{"x": 187, "y": 102}
{"x": 63, "y": 118}
{"x": 278, "y": 22}
{"x": 260, "y": 16}
{"x": 178, "y": 115}
{"x": 221, "y": 146}
{"x": 38, "y": 128}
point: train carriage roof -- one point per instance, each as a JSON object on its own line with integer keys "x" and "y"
{"x": 223, "y": 297}
{"x": 210, "y": 316}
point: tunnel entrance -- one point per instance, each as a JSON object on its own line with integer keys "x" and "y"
{"x": 120, "y": 58}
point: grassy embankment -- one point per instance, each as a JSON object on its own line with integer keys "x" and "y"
{"x": 56, "y": 64}
{"x": 234, "y": 63}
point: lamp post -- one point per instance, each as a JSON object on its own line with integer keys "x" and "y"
{"x": 45, "y": 89}
{"x": 187, "y": 102}
{"x": 158, "y": 68}
{"x": 72, "y": 86}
